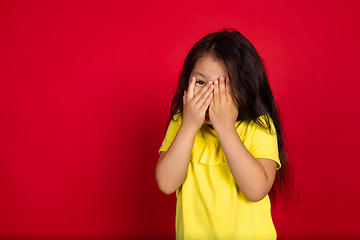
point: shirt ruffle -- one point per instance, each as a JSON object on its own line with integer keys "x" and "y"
{"x": 208, "y": 153}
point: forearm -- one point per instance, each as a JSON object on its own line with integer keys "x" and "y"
{"x": 249, "y": 174}
{"x": 172, "y": 166}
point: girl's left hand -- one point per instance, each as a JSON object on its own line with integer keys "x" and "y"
{"x": 223, "y": 111}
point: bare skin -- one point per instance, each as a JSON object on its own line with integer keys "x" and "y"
{"x": 209, "y": 89}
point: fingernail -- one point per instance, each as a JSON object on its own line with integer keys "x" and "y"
{"x": 210, "y": 82}
{"x": 221, "y": 78}
{"x": 193, "y": 78}
{"x": 216, "y": 82}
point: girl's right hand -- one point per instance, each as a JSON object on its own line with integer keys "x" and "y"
{"x": 196, "y": 104}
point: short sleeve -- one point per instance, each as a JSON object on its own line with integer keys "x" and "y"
{"x": 171, "y": 132}
{"x": 264, "y": 143}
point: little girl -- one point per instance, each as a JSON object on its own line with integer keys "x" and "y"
{"x": 224, "y": 143}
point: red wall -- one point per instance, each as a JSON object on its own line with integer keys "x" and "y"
{"x": 85, "y": 92}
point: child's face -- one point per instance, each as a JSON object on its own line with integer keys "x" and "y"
{"x": 207, "y": 69}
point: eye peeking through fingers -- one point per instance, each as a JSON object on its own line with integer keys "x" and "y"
{"x": 201, "y": 82}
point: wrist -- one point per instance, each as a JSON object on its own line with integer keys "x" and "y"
{"x": 223, "y": 129}
{"x": 188, "y": 129}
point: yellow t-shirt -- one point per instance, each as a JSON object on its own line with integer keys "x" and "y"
{"x": 209, "y": 203}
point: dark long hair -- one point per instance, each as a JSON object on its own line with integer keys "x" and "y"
{"x": 251, "y": 90}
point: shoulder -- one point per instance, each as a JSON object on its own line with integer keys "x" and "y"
{"x": 263, "y": 139}
{"x": 177, "y": 117}
{"x": 171, "y": 132}
{"x": 176, "y": 120}
{"x": 175, "y": 123}
{"x": 265, "y": 119}
{"x": 263, "y": 127}
{"x": 264, "y": 123}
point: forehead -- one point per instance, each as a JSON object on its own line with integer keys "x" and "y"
{"x": 209, "y": 67}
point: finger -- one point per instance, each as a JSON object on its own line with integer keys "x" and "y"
{"x": 184, "y": 98}
{"x": 211, "y": 106}
{"x": 204, "y": 95}
{"x": 207, "y": 102}
{"x": 216, "y": 92}
{"x": 191, "y": 88}
{"x": 228, "y": 90}
{"x": 222, "y": 88}
{"x": 203, "y": 90}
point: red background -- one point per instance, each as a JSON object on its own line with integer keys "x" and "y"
{"x": 85, "y": 92}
